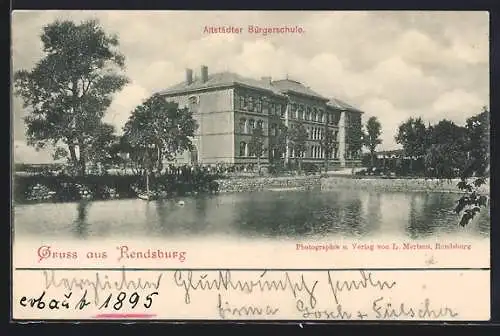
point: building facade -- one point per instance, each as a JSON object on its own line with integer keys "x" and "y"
{"x": 228, "y": 107}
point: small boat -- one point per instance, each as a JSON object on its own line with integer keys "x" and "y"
{"x": 147, "y": 196}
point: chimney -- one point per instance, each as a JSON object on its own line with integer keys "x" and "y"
{"x": 204, "y": 73}
{"x": 189, "y": 76}
{"x": 266, "y": 80}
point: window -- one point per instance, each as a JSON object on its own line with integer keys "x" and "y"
{"x": 293, "y": 111}
{"x": 242, "y": 102}
{"x": 251, "y": 151}
{"x": 315, "y": 115}
{"x": 243, "y": 125}
{"x": 251, "y": 125}
{"x": 277, "y": 109}
{"x": 336, "y": 118}
{"x": 250, "y": 104}
{"x": 283, "y": 111}
{"x": 245, "y": 103}
{"x": 265, "y": 105}
{"x": 272, "y": 108}
{"x": 243, "y": 148}
{"x": 321, "y": 116}
{"x": 259, "y": 105}
{"x": 308, "y": 114}
{"x": 260, "y": 124}
{"x": 300, "y": 114}
{"x": 274, "y": 130}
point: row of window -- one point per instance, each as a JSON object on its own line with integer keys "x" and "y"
{"x": 301, "y": 112}
{"x": 248, "y": 125}
{"x": 315, "y": 152}
{"x": 316, "y": 133}
{"x": 297, "y": 111}
{"x": 260, "y": 105}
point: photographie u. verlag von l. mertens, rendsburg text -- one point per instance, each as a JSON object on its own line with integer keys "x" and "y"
{"x": 254, "y": 29}
{"x": 381, "y": 246}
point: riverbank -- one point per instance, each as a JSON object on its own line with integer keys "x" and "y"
{"x": 340, "y": 182}
{"x": 61, "y": 189}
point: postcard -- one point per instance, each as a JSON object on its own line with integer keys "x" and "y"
{"x": 250, "y": 165}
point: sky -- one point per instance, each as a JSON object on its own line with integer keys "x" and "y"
{"x": 391, "y": 65}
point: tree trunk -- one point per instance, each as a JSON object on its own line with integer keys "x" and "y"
{"x": 258, "y": 164}
{"x": 372, "y": 154}
{"x": 326, "y": 163}
{"x": 83, "y": 165}
{"x": 83, "y": 159}
{"x": 72, "y": 153}
{"x": 160, "y": 160}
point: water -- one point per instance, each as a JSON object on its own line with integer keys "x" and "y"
{"x": 271, "y": 215}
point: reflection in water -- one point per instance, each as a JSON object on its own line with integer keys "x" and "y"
{"x": 81, "y": 224}
{"x": 259, "y": 214}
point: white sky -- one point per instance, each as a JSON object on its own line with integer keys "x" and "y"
{"x": 392, "y": 65}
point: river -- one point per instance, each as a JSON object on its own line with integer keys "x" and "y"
{"x": 270, "y": 215}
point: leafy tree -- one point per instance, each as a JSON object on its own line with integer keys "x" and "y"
{"x": 478, "y": 144}
{"x": 298, "y": 140}
{"x": 372, "y": 136}
{"x": 158, "y": 129}
{"x": 70, "y": 88}
{"x": 328, "y": 144}
{"x": 413, "y": 136}
{"x": 102, "y": 149}
{"x": 278, "y": 144}
{"x": 476, "y": 173}
{"x": 257, "y": 143}
{"x": 354, "y": 133}
{"x": 446, "y": 155}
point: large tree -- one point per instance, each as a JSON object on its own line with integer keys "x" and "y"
{"x": 413, "y": 136}
{"x": 354, "y": 134}
{"x": 328, "y": 144}
{"x": 281, "y": 143}
{"x": 476, "y": 173}
{"x": 70, "y": 88}
{"x": 257, "y": 143}
{"x": 446, "y": 154}
{"x": 372, "y": 137}
{"x": 159, "y": 129}
{"x": 298, "y": 136}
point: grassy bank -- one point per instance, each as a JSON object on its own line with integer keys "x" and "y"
{"x": 39, "y": 188}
